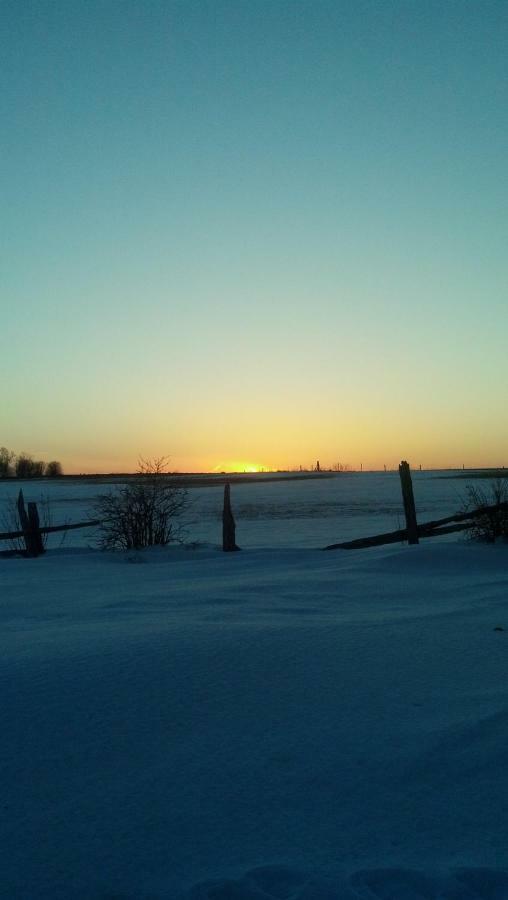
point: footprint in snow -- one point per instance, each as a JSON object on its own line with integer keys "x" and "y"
{"x": 482, "y": 884}
{"x": 223, "y": 890}
{"x": 267, "y": 883}
{"x": 281, "y": 883}
{"x": 394, "y": 884}
{"x": 408, "y": 884}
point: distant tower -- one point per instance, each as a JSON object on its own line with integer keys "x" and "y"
{"x": 317, "y": 466}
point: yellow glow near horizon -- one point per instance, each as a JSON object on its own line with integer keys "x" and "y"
{"x": 234, "y": 466}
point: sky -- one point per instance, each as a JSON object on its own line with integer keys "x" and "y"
{"x": 254, "y": 233}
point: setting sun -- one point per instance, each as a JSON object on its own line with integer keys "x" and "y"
{"x": 235, "y": 466}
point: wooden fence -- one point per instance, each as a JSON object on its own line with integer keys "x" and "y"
{"x": 460, "y": 521}
{"x": 32, "y": 533}
{"x": 31, "y": 530}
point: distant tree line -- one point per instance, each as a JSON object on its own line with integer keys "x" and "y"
{"x": 25, "y": 466}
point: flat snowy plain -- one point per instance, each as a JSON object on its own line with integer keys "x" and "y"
{"x": 298, "y": 513}
{"x": 276, "y": 724}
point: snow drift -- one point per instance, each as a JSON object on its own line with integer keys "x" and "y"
{"x": 290, "y": 724}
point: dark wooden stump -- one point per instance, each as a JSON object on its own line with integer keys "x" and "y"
{"x": 31, "y": 527}
{"x": 228, "y": 523}
{"x": 35, "y": 528}
{"x": 409, "y": 502}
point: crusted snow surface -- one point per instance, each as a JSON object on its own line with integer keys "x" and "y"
{"x": 291, "y": 725}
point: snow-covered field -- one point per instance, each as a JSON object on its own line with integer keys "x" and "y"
{"x": 276, "y": 724}
{"x": 302, "y": 513}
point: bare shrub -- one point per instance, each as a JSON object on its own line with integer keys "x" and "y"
{"x": 491, "y": 524}
{"x": 54, "y": 469}
{"x": 24, "y": 466}
{"x": 6, "y": 462}
{"x": 27, "y": 467}
{"x": 144, "y": 512}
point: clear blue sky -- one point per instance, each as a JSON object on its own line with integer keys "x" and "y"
{"x": 254, "y": 231}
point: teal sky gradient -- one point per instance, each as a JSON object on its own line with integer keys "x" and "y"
{"x": 263, "y": 231}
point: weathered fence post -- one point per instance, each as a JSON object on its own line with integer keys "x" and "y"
{"x": 228, "y": 523}
{"x": 31, "y": 527}
{"x": 409, "y": 502}
{"x": 35, "y": 529}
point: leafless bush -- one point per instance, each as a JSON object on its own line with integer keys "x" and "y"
{"x": 27, "y": 467}
{"x": 6, "y": 462}
{"x": 54, "y": 469}
{"x": 24, "y": 466}
{"x": 492, "y": 523}
{"x": 143, "y": 512}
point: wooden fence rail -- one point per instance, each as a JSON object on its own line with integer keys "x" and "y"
{"x": 413, "y": 532}
{"x": 50, "y": 529}
{"x": 462, "y": 521}
{"x": 32, "y": 533}
{"x": 31, "y": 530}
